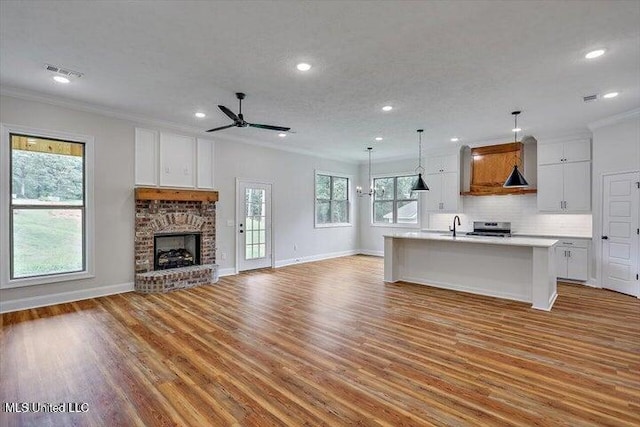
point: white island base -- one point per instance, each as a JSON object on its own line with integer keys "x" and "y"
{"x": 515, "y": 268}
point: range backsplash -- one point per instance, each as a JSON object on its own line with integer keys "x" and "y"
{"x": 521, "y": 211}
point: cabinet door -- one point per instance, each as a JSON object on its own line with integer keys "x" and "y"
{"x": 434, "y": 165}
{"x": 204, "y": 160}
{"x": 577, "y": 265}
{"x": 450, "y": 163}
{"x": 450, "y": 191}
{"x": 146, "y": 157}
{"x": 550, "y": 153}
{"x": 434, "y": 195}
{"x": 561, "y": 262}
{"x": 177, "y": 160}
{"x": 577, "y": 151}
{"x": 577, "y": 186}
{"x": 550, "y": 189}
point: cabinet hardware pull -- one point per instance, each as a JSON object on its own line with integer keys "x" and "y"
{"x": 605, "y": 237}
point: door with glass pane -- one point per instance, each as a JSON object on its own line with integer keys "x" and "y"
{"x": 254, "y": 225}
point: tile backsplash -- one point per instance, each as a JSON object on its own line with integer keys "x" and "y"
{"x": 520, "y": 210}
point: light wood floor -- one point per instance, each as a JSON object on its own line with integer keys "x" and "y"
{"x": 326, "y": 343}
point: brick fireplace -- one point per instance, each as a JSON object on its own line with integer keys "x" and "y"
{"x": 169, "y": 212}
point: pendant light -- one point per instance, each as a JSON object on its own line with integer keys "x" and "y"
{"x": 516, "y": 179}
{"x": 420, "y": 185}
{"x": 371, "y": 190}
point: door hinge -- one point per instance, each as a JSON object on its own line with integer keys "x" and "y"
{"x": 636, "y": 277}
{"x": 638, "y": 184}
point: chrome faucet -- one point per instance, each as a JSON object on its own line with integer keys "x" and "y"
{"x": 454, "y": 225}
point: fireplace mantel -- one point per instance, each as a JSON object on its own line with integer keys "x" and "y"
{"x": 173, "y": 194}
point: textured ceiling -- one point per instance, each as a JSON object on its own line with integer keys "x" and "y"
{"x": 454, "y": 68}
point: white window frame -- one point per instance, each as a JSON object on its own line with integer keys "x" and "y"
{"x": 5, "y": 177}
{"x": 417, "y": 225}
{"x": 349, "y": 200}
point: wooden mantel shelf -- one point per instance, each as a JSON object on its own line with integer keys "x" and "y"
{"x": 174, "y": 194}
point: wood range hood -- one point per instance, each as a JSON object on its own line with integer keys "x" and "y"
{"x": 490, "y": 167}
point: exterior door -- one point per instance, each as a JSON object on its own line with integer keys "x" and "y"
{"x": 620, "y": 224}
{"x": 253, "y": 225}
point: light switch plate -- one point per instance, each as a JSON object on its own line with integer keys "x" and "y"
{"x": 230, "y": 223}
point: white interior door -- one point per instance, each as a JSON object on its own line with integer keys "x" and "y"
{"x": 253, "y": 225}
{"x": 620, "y": 224}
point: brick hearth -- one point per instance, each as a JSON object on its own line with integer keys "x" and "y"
{"x": 159, "y": 216}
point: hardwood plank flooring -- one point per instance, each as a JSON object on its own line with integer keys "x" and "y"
{"x": 326, "y": 343}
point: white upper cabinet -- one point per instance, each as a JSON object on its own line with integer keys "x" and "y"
{"x": 146, "y": 157}
{"x": 169, "y": 160}
{"x": 564, "y": 152}
{"x": 447, "y": 163}
{"x": 204, "y": 160}
{"x": 564, "y": 177}
{"x": 443, "y": 179}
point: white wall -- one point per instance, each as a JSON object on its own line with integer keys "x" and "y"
{"x": 292, "y": 176}
{"x": 114, "y": 203}
{"x": 616, "y": 148}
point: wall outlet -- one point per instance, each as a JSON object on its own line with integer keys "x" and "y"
{"x": 223, "y": 256}
{"x": 230, "y": 223}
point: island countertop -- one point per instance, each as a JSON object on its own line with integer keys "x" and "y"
{"x": 508, "y": 241}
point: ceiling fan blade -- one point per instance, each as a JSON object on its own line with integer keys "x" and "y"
{"x": 229, "y": 113}
{"x": 220, "y": 128}
{"x": 280, "y": 128}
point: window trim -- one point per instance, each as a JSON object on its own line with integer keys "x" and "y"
{"x": 89, "y": 213}
{"x": 349, "y": 200}
{"x": 372, "y": 223}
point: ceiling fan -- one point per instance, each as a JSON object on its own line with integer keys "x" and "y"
{"x": 238, "y": 120}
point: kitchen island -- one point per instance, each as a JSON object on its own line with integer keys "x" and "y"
{"x": 515, "y": 268}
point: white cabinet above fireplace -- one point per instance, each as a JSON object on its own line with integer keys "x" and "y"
{"x": 164, "y": 159}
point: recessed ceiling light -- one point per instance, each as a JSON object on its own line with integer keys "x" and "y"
{"x": 516, "y": 129}
{"x": 455, "y": 139}
{"x": 595, "y": 53}
{"x": 61, "y": 79}
{"x": 378, "y": 138}
{"x": 303, "y": 66}
{"x": 387, "y": 108}
{"x": 200, "y": 115}
{"x": 282, "y": 134}
{"x": 610, "y": 95}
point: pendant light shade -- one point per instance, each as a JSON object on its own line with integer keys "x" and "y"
{"x": 515, "y": 179}
{"x": 420, "y": 185}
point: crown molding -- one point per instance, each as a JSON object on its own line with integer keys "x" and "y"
{"x": 148, "y": 121}
{"x": 614, "y": 119}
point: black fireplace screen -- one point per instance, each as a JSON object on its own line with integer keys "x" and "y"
{"x": 176, "y": 250}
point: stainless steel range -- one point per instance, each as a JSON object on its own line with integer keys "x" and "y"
{"x": 493, "y": 229}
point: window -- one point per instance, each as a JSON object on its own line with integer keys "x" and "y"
{"x": 332, "y": 200}
{"x": 48, "y": 215}
{"x": 393, "y": 201}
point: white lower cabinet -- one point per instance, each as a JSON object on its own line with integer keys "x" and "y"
{"x": 572, "y": 261}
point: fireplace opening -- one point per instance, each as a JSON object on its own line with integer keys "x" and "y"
{"x": 173, "y": 250}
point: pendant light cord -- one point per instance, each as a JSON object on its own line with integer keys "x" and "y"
{"x": 419, "y": 169}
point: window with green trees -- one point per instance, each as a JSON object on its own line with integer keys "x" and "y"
{"x": 332, "y": 199}
{"x": 393, "y": 201}
{"x": 47, "y": 208}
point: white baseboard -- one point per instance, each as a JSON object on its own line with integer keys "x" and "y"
{"x": 371, "y": 253}
{"x": 63, "y": 297}
{"x": 226, "y": 272}
{"x": 320, "y": 257}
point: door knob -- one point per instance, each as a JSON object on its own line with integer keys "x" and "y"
{"x": 605, "y": 237}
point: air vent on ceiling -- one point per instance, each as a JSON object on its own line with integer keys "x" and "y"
{"x": 63, "y": 71}
{"x": 589, "y": 98}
